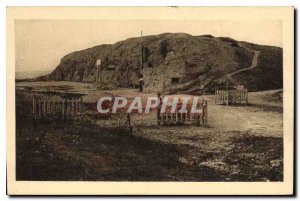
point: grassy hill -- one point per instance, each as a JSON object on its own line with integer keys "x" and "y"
{"x": 207, "y": 60}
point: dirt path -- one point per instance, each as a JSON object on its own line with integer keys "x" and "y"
{"x": 245, "y": 119}
{"x": 229, "y": 75}
{"x": 253, "y": 65}
{"x": 225, "y": 122}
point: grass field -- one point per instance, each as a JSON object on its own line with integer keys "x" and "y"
{"x": 241, "y": 143}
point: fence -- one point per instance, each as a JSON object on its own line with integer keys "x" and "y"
{"x": 62, "y": 108}
{"x": 200, "y": 118}
{"x": 231, "y": 97}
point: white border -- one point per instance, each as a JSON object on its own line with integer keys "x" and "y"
{"x": 3, "y": 5}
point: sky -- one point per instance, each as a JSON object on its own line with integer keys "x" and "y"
{"x": 40, "y": 44}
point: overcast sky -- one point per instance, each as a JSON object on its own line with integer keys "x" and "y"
{"x": 40, "y": 44}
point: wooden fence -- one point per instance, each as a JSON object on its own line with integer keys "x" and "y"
{"x": 231, "y": 97}
{"x": 199, "y": 118}
{"x": 62, "y": 108}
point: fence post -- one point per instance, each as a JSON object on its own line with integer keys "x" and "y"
{"x": 44, "y": 109}
{"x": 77, "y": 106}
{"x": 50, "y": 106}
{"x": 158, "y": 114}
{"x": 40, "y": 109}
{"x": 33, "y": 108}
{"x": 205, "y": 113}
{"x": 129, "y": 123}
{"x": 227, "y": 97}
{"x": 70, "y": 108}
{"x": 216, "y": 96}
{"x": 198, "y": 115}
{"x": 66, "y": 109}
{"x": 80, "y": 105}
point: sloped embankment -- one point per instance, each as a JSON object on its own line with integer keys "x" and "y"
{"x": 205, "y": 58}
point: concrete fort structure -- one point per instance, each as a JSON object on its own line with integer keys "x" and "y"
{"x": 169, "y": 75}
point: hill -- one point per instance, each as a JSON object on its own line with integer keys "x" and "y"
{"x": 207, "y": 62}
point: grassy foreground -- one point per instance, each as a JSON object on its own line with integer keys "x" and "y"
{"x": 241, "y": 144}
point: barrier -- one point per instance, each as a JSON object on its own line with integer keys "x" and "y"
{"x": 231, "y": 97}
{"x": 199, "y": 118}
{"x": 63, "y": 108}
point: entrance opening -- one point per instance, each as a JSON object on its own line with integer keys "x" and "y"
{"x": 175, "y": 80}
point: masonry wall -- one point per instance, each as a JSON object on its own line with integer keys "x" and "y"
{"x": 157, "y": 79}
{"x": 153, "y": 79}
{"x": 108, "y": 78}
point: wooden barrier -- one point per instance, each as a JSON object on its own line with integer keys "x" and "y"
{"x": 62, "y": 108}
{"x": 231, "y": 97}
{"x": 167, "y": 117}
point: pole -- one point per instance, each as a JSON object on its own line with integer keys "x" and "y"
{"x": 99, "y": 73}
{"x": 33, "y": 107}
{"x": 129, "y": 123}
{"x": 206, "y": 113}
{"x": 142, "y": 53}
{"x": 96, "y": 73}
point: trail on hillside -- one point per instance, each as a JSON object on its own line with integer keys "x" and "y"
{"x": 229, "y": 75}
{"x": 253, "y": 65}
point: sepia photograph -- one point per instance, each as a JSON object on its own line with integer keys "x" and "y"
{"x": 146, "y": 98}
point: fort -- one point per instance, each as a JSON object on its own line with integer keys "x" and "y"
{"x": 166, "y": 77}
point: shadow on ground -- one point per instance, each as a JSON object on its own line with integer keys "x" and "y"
{"x": 73, "y": 152}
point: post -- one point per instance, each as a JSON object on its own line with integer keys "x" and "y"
{"x": 227, "y": 97}
{"x": 48, "y": 107}
{"x": 129, "y": 123}
{"x": 158, "y": 114}
{"x": 44, "y": 109}
{"x": 56, "y": 109}
{"x": 181, "y": 117}
{"x": 33, "y": 108}
{"x": 166, "y": 114}
{"x": 63, "y": 108}
{"x": 80, "y": 105}
{"x": 205, "y": 111}
{"x": 66, "y": 108}
{"x": 189, "y": 112}
{"x": 97, "y": 74}
{"x": 77, "y": 106}
{"x": 72, "y": 108}
{"x": 98, "y": 70}
{"x": 142, "y": 54}
{"x": 60, "y": 108}
{"x": 40, "y": 108}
